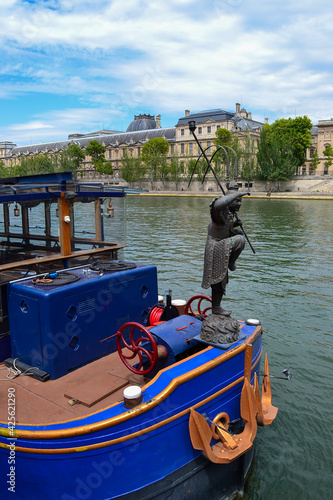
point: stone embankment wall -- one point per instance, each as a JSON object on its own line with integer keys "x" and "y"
{"x": 307, "y": 185}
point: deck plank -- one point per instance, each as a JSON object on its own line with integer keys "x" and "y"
{"x": 45, "y": 402}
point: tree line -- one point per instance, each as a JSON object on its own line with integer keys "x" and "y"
{"x": 276, "y": 156}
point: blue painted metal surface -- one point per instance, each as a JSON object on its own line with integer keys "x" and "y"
{"x": 58, "y": 328}
{"x": 130, "y": 459}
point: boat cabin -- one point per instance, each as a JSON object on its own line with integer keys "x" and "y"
{"x": 48, "y": 223}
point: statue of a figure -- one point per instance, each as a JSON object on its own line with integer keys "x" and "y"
{"x": 224, "y": 245}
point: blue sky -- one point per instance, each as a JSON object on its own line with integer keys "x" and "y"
{"x": 76, "y": 66}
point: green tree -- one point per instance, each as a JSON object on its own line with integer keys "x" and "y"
{"x": 200, "y": 169}
{"x": 175, "y": 170}
{"x": 237, "y": 147}
{"x": 314, "y": 161}
{"x": 297, "y": 133}
{"x": 264, "y": 163}
{"x": 96, "y": 151}
{"x": 276, "y": 160}
{"x": 132, "y": 169}
{"x": 248, "y": 168}
{"x": 223, "y": 137}
{"x": 329, "y": 154}
{"x": 75, "y": 156}
{"x": 4, "y": 171}
{"x": 40, "y": 164}
{"x": 154, "y": 156}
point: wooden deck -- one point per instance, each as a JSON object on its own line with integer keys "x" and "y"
{"x": 95, "y": 386}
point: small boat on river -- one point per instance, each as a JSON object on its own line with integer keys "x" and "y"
{"x": 107, "y": 390}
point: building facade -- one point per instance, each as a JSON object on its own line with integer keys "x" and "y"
{"x": 143, "y": 128}
{"x": 322, "y": 135}
{"x": 181, "y": 142}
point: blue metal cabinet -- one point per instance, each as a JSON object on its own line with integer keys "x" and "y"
{"x": 59, "y": 328}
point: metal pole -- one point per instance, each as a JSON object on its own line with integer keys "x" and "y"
{"x": 192, "y": 127}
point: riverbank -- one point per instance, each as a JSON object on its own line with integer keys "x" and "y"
{"x": 307, "y": 187}
{"x": 255, "y": 194}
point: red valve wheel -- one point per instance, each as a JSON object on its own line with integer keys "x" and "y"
{"x": 138, "y": 347}
{"x": 200, "y": 299}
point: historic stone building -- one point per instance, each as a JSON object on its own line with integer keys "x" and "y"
{"x": 322, "y": 135}
{"x": 139, "y": 131}
{"x": 181, "y": 141}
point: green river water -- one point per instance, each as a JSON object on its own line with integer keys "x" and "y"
{"x": 288, "y": 285}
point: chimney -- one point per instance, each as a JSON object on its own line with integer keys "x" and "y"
{"x": 158, "y": 121}
{"x": 249, "y": 115}
{"x": 187, "y": 112}
{"x": 237, "y": 109}
{"x": 266, "y": 120}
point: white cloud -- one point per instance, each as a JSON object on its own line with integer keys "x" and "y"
{"x": 58, "y": 124}
{"x": 34, "y": 125}
{"x": 274, "y": 57}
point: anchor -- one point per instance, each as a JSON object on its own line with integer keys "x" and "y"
{"x": 229, "y": 447}
{"x": 266, "y": 412}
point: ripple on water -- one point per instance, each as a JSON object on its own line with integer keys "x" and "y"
{"x": 288, "y": 285}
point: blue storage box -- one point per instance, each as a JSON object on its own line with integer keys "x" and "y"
{"x": 59, "y": 328}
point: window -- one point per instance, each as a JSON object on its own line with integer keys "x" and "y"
{"x": 182, "y": 131}
{"x": 139, "y": 151}
{"x": 209, "y": 144}
{"x": 191, "y": 148}
{"x": 182, "y": 149}
{"x": 312, "y": 150}
{"x": 200, "y": 130}
{"x": 172, "y": 148}
{"x": 218, "y": 126}
{"x": 110, "y": 154}
{"x": 209, "y": 130}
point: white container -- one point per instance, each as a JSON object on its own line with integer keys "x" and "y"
{"x": 253, "y": 322}
{"x": 180, "y": 305}
{"x": 132, "y": 396}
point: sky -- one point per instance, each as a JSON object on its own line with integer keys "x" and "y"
{"x": 75, "y": 66}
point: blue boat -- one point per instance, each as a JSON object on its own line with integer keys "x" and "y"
{"x": 108, "y": 391}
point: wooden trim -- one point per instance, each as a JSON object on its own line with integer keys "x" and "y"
{"x": 64, "y": 227}
{"x": 56, "y": 257}
{"x": 98, "y": 222}
{"x": 248, "y": 361}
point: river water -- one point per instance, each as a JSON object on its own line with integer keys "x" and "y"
{"x": 288, "y": 285}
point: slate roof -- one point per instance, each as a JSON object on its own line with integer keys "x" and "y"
{"x": 114, "y": 140}
{"x": 141, "y": 124}
{"x": 244, "y": 123}
{"x": 210, "y": 114}
{"x": 217, "y": 115}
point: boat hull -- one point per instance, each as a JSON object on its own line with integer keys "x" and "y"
{"x": 199, "y": 479}
{"x": 146, "y": 452}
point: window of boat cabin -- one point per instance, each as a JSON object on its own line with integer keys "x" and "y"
{"x": 32, "y": 226}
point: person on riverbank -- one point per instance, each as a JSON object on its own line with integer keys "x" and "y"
{"x": 223, "y": 246}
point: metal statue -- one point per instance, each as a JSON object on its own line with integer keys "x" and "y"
{"x": 224, "y": 244}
